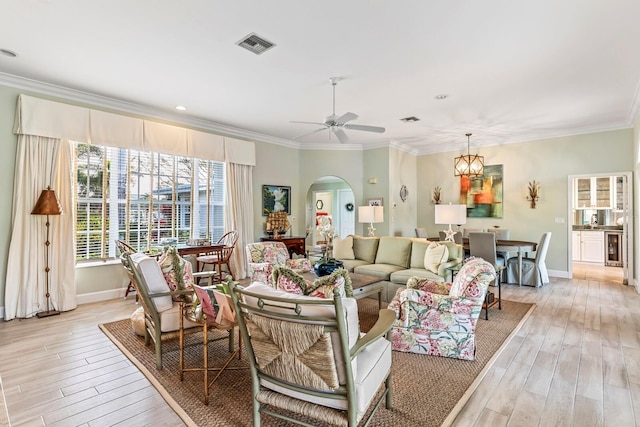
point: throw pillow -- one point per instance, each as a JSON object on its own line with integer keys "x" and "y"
{"x": 343, "y": 248}
{"x": 299, "y": 265}
{"x": 289, "y": 281}
{"x": 177, "y": 271}
{"x": 435, "y": 255}
{"x": 324, "y": 287}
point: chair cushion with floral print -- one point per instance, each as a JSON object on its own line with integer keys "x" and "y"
{"x": 466, "y": 281}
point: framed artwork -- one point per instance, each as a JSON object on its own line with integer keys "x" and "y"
{"x": 378, "y": 201}
{"x": 483, "y": 195}
{"x": 276, "y": 198}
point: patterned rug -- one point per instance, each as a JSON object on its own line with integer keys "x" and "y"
{"x": 427, "y": 390}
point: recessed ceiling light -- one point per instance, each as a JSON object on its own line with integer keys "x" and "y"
{"x": 9, "y": 53}
{"x": 181, "y": 108}
{"x": 410, "y": 119}
{"x": 441, "y": 97}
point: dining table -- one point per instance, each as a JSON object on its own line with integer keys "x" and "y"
{"x": 519, "y": 246}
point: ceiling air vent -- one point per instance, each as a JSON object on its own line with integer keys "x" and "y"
{"x": 255, "y": 43}
{"x": 410, "y": 119}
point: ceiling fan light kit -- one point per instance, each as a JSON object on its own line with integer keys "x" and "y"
{"x": 337, "y": 124}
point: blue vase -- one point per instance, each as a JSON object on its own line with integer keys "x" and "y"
{"x": 323, "y": 268}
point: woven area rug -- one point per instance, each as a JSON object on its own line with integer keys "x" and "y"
{"x": 427, "y": 390}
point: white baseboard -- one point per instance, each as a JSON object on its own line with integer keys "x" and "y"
{"x": 558, "y": 273}
{"x": 100, "y": 296}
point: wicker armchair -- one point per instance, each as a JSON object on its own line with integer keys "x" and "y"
{"x": 307, "y": 361}
{"x": 161, "y": 313}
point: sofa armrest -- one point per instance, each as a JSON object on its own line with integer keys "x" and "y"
{"x": 382, "y": 326}
{"x": 442, "y": 268}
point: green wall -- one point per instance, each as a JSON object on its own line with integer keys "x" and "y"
{"x": 548, "y": 161}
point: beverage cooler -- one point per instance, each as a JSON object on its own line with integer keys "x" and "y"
{"x": 613, "y": 248}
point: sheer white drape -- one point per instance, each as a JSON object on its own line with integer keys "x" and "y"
{"x": 40, "y": 162}
{"x": 239, "y": 213}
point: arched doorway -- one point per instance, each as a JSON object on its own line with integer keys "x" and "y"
{"x": 330, "y": 195}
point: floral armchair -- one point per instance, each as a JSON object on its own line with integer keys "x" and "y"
{"x": 263, "y": 257}
{"x": 439, "y": 319}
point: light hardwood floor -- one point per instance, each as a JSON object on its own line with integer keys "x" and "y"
{"x": 576, "y": 362}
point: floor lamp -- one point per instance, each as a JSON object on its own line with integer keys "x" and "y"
{"x": 47, "y": 204}
{"x": 370, "y": 214}
{"x": 451, "y": 214}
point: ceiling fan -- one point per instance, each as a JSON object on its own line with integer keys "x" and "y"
{"x": 336, "y": 124}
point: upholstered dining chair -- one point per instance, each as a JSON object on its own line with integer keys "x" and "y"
{"x": 205, "y": 314}
{"x": 217, "y": 259}
{"x": 308, "y": 358}
{"x": 162, "y": 315}
{"x": 421, "y": 233}
{"x": 501, "y": 234}
{"x": 534, "y": 270}
{"x": 483, "y": 245}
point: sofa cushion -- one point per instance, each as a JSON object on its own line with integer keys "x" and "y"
{"x": 351, "y": 264}
{"x": 418, "y": 248}
{"x": 435, "y": 255}
{"x": 343, "y": 248}
{"x": 381, "y": 271}
{"x": 402, "y": 276}
{"x": 365, "y": 248}
{"x": 455, "y": 250}
{"x": 394, "y": 251}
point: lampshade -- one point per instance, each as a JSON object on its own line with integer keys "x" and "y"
{"x": 47, "y": 204}
{"x": 451, "y": 214}
{"x": 468, "y": 165}
{"x": 370, "y": 214}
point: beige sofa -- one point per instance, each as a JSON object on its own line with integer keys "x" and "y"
{"x": 395, "y": 259}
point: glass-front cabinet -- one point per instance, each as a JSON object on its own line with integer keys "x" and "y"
{"x": 594, "y": 192}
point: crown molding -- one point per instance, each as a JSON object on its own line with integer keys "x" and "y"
{"x": 75, "y": 95}
{"x": 634, "y": 110}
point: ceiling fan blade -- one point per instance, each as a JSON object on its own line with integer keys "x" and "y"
{"x": 366, "y": 128}
{"x": 309, "y": 123}
{"x": 346, "y": 117}
{"x": 342, "y": 137}
{"x": 310, "y": 133}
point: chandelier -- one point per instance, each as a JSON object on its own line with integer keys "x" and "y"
{"x": 468, "y": 165}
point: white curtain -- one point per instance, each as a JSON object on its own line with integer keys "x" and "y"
{"x": 40, "y": 162}
{"x": 239, "y": 213}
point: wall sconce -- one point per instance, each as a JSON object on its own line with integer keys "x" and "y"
{"x": 435, "y": 199}
{"x": 534, "y": 193}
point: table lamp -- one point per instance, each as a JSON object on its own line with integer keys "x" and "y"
{"x": 451, "y": 214}
{"x": 370, "y": 214}
{"x": 47, "y": 204}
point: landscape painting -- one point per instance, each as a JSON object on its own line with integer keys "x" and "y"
{"x": 276, "y": 198}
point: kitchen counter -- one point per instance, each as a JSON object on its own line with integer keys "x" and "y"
{"x": 596, "y": 227}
